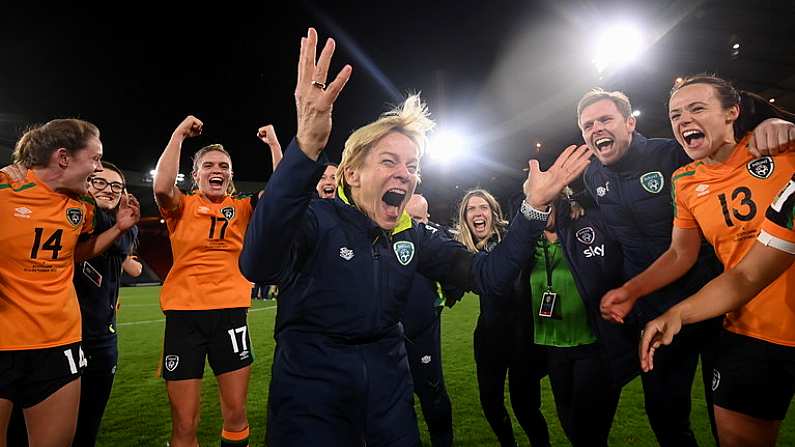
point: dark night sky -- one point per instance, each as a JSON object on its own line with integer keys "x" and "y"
{"x": 507, "y": 73}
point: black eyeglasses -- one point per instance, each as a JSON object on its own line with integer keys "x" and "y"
{"x": 100, "y": 184}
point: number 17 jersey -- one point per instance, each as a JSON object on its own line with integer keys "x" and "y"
{"x": 39, "y": 230}
{"x": 206, "y": 241}
{"x": 727, "y": 202}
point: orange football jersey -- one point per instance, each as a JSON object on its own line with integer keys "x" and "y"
{"x": 40, "y": 229}
{"x": 206, "y": 241}
{"x": 727, "y": 202}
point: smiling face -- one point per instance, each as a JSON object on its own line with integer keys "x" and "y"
{"x": 78, "y": 166}
{"x": 382, "y": 185}
{"x": 606, "y": 131}
{"x": 479, "y": 218}
{"x": 213, "y": 174}
{"x": 699, "y": 122}
{"x": 106, "y": 188}
{"x": 327, "y": 186}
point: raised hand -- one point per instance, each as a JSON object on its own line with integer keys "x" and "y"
{"x": 189, "y": 127}
{"x": 129, "y": 212}
{"x": 314, "y": 99}
{"x": 268, "y": 136}
{"x": 543, "y": 187}
{"x": 658, "y": 332}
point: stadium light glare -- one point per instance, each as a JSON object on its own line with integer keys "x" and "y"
{"x": 772, "y": 100}
{"x": 446, "y": 145}
{"x": 636, "y": 113}
{"x": 619, "y": 45}
{"x": 152, "y": 172}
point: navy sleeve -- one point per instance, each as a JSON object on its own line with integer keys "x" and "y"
{"x": 451, "y": 263}
{"x": 587, "y": 181}
{"x": 282, "y": 222}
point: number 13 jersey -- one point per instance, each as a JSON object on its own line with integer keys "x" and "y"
{"x": 206, "y": 241}
{"x": 39, "y": 229}
{"x": 727, "y": 202}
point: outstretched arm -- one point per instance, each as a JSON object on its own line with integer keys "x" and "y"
{"x": 670, "y": 266}
{"x": 729, "y": 291}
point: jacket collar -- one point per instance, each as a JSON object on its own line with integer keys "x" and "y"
{"x": 635, "y": 156}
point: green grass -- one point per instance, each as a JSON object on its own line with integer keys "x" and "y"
{"x": 138, "y": 412}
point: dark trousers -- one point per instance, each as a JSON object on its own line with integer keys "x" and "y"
{"x": 340, "y": 393}
{"x": 95, "y": 390}
{"x": 585, "y": 397}
{"x": 506, "y": 348}
{"x": 667, "y": 387}
{"x": 425, "y": 360}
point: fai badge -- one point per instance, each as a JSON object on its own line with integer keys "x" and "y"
{"x": 228, "y": 212}
{"x": 652, "y": 181}
{"x": 74, "y": 216}
{"x": 404, "y": 251}
{"x": 171, "y": 362}
{"x": 586, "y": 235}
{"x": 761, "y": 168}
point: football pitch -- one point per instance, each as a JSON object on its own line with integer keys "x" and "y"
{"x": 138, "y": 411}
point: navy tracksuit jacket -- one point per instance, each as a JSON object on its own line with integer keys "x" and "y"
{"x": 340, "y": 375}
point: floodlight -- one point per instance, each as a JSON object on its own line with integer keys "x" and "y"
{"x": 618, "y": 46}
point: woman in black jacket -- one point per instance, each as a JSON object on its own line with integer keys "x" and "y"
{"x": 503, "y": 336}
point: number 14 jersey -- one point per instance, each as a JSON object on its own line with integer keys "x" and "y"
{"x": 206, "y": 241}
{"x": 727, "y": 202}
{"x": 39, "y": 229}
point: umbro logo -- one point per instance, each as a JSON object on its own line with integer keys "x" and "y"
{"x": 702, "y": 189}
{"x": 22, "y": 212}
{"x": 346, "y": 253}
{"x": 425, "y": 359}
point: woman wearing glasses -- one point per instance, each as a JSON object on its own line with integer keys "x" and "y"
{"x": 97, "y": 283}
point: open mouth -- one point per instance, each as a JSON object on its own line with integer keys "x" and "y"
{"x": 392, "y": 200}
{"x": 603, "y": 143}
{"x": 479, "y": 224}
{"x": 216, "y": 181}
{"x": 692, "y": 137}
{"x": 327, "y": 191}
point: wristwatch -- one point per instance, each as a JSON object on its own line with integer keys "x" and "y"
{"x": 531, "y": 213}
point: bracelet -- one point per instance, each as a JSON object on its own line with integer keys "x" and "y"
{"x": 531, "y": 213}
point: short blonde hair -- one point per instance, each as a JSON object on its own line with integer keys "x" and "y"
{"x": 411, "y": 118}
{"x": 597, "y": 94}
{"x": 499, "y": 224}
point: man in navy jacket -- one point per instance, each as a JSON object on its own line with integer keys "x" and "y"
{"x": 629, "y": 182}
{"x": 344, "y": 267}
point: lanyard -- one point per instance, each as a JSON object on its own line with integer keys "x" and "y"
{"x": 547, "y": 263}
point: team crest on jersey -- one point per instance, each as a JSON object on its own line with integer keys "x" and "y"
{"x": 586, "y": 235}
{"x": 74, "y": 216}
{"x": 404, "y": 251}
{"x": 652, "y": 181}
{"x": 761, "y": 168}
{"x": 228, "y": 212}
{"x": 171, "y": 362}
